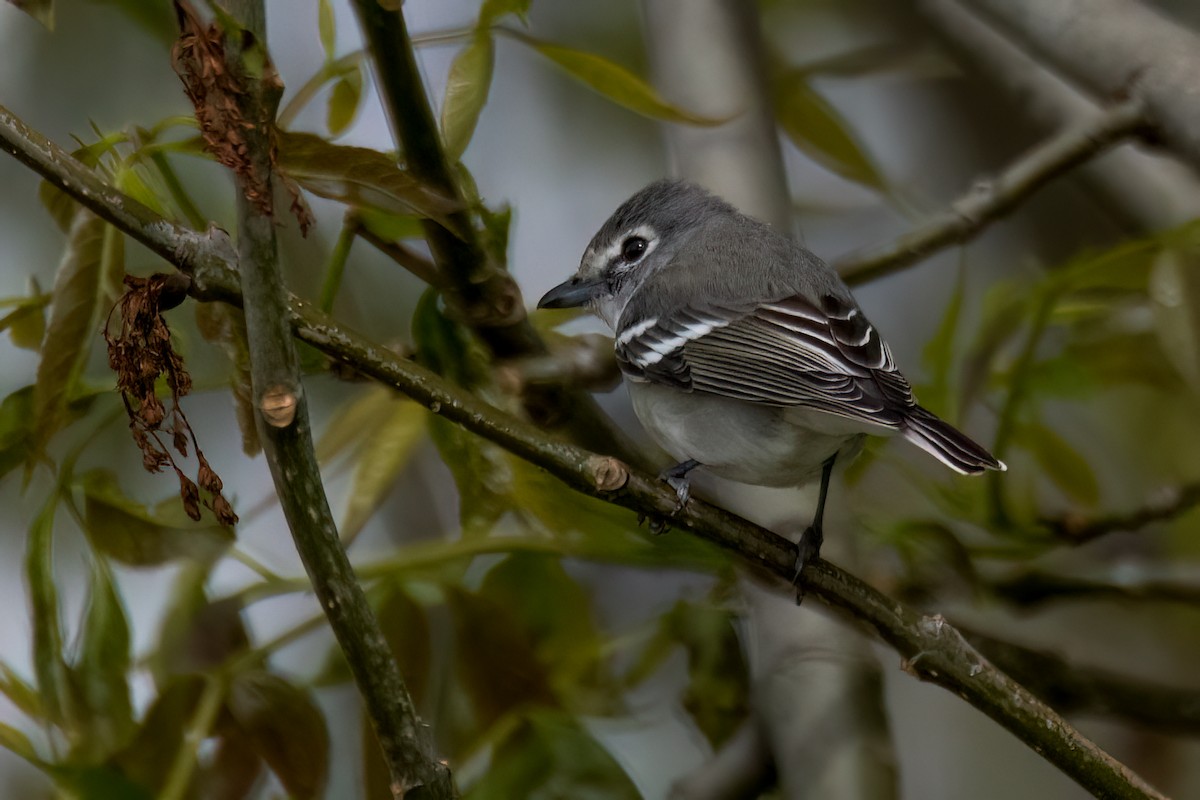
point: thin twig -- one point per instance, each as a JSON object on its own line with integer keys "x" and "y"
{"x": 1167, "y": 504}
{"x": 933, "y": 649}
{"x": 284, "y": 429}
{"x": 992, "y": 198}
{"x": 1037, "y": 587}
{"x": 410, "y": 259}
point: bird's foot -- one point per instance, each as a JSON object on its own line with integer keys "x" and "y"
{"x": 676, "y": 478}
{"x": 808, "y": 550}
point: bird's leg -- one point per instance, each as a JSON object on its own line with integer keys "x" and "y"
{"x": 809, "y": 547}
{"x": 676, "y": 478}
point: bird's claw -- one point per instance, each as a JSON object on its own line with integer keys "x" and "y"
{"x": 808, "y": 550}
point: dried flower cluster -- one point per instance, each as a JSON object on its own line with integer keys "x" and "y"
{"x": 220, "y": 96}
{"x": 139, "y": 355}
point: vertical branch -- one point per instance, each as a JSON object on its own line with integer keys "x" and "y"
{"x": 284, "y": 426}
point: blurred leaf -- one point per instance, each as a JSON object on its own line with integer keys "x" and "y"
{"x": 717, "y": 696}
{"x": 550, "y": 756}
{"x": 1061, "y": 462}
{"x": 285, "y": 727}
{"x": 359, "y": 177}
{"x": 16, "y": 416}
{"x": 933, "y": 556}
{"x": 481, "y": 474}
{"x": 148, "y": 757}
{"x": 198, "y": 634}
{"x": 466, "y": 92}
{"x": 20, "y": 692}
{"x": 493, "y": 10}
{"x": 915, "y": 59}
{"x": 392, "y": 227}
{"x": 555, "y": 610}
{"x": 127, "y": 531}
{"x": 445, "y": 346}
{"x": 53, "y": 678}
{"x": 1005, "y": 307}
{"x": 18, "y": 743}
{"x": 354, "y": 421}
{"x": 495, "y": 658}
{"x": 233, "y": 771}
{"x": 327, "y": 28}
{"x": 153, "y": 16}
{"x": 86, "y": 782}
{"x": 1122, "y": 357}
{"x": 102, "y": 666}
{"x": 939, "y": 353}
{"x": 406, "y": 628}
{"x": 1175, "y": 291}
{"x": 344, "y": 100}
{"x": 26, "y": 324}
{"x": 61, "y": 206}
{"x": 80, "y": 293}
{"x": 496, "y": 227}
{"x": 225, "y": 326}
{"x": 818, "y": 130}
{"x": 41, "y": 10}
{"x": 391, "y": 440}
{"x": 1060, "y": 376}
{"x": 614, "y": 82}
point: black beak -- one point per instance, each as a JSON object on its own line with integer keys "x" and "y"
{"x": 571, "y": 294}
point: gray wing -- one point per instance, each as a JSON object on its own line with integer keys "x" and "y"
{"x": 788, "y": 352}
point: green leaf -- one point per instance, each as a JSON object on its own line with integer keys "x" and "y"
{"x": 1175, "y": 291}
{"x": 102, "y": 666}
{"x": 18, "y": 743}
{"x": 549, "y": 756}
{"x": 392, "y": 227}
{"x": 933, "y": 556}
{"x": 127, "y": 531}
{"x": 614, "y": 82}
{"x": 359, "y": 177}
{"x": 26, "y": 324}
{"x": 717, "y": 696}
{"x": 53, "y": 678}
{"x": 148, "y": 757}
{"x": 393, "y": 438}
{"x": 467, "y": 92}
{"x": 940, "y": 351}
{"x": 818, "y": 130}
{"x": 16, "y": 416}
{"x": 20, "y": 692}
{"x": 86, "y": 782}
{"x": 1005, "y": 307}
{"x": 285, "y": 727}
{"x": 41, "y": 10}
{"x": 81, "y": 293}
{"x": 554, "y": 609}
{"x": 198, "y": 634}
{"x": 344, "y": 100}
{"x": 1061, "y": 462}
{"x": 496, "y": 662}
{"x": 493, "y": 10}
{"x": 327, "y": 28}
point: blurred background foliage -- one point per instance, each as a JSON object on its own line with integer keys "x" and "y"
{"x": 556, "y": 648}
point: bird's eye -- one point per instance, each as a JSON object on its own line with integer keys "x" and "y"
{"x": 633, "y": 248}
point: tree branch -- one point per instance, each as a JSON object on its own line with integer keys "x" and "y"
{"x": 1149, "y": 189}
{"x": 1116, "y": 48}
{"x": 1072, "y": 688}
{"x": 992, "y": 198}
{"x": 1037, "y": 587}
{"x": 1168, "y": 504}
{"x": 933, "y": 650}
{"x": 283, "y": 426}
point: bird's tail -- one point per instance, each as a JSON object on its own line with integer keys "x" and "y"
{"x": 947, "y": 444}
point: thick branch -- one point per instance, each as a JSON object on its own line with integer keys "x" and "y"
{"x": 1036, "y": 587}
{"x": 283, "y": 428}
{"x": 1116, "y": 48}
{"x": 992, "y": 198}
{"x": 933, "y": 650}
{"x": 1072, "y": 688}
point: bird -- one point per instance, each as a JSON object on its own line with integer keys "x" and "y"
{"x": 743, "y": 352}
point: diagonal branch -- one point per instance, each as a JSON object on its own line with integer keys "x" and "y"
{"x": 992, "y": 198}
{"x": 933, "y": 649}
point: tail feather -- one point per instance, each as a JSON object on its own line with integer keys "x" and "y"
{"x": 947, "y": 444}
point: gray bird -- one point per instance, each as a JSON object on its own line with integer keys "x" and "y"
{"x": 743, "y": 352}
